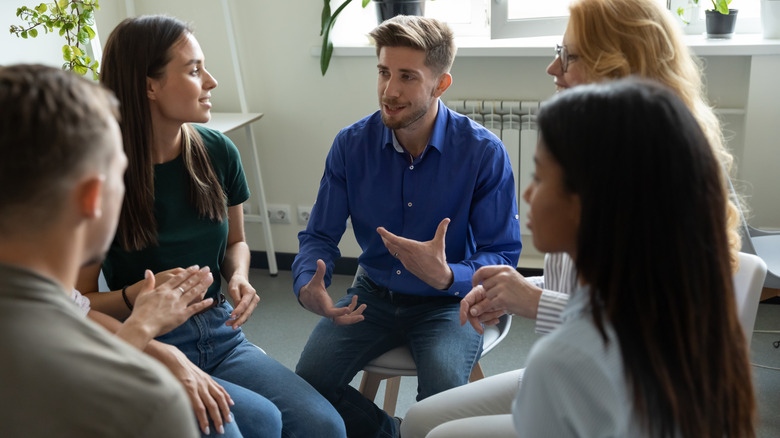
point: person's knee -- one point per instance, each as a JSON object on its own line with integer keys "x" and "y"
{"x": 326, "y": 426}
{"x": 260, "y": 422}
{"x": 420, "y": 419}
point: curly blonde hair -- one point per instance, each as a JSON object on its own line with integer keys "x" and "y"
{"x": 618, "y": 38}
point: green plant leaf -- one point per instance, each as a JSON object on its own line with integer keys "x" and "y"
{"x": 33, "y": 33}
{"x": 42, "y": 8}
{"x": 24, "y": 34}
{"x": 62, "y": 4}
{"x": 80, "y": 69}
{"x": 89, "y": 31}
{"x": 365, "y": 3}
{"x": 77, "y": 52}
{"x": 83, "y": 37}
{"x": 327, "y": 45}
{"x": 67, "y": 53}
{"x": 325, "y": 17}
{"x": 325, "y": 55}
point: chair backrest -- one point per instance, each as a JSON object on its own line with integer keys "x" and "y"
{"x": 748, "y": 282}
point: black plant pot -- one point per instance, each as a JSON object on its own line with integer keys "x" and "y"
{"x": 390, "y": 8}
{"x": 719, "y": 25}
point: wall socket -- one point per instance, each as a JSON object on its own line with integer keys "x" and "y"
{"x": 304, "y": 213}
{"x": 279, "y": 214}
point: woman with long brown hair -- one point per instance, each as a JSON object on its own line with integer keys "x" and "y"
{"x": 183, "y": 206}
{"x": 650, "y": 344}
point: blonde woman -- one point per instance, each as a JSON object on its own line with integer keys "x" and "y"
{"x": 604, "y": 40}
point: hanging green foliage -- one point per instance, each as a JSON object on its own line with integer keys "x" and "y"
{"x": 75, "y": 20}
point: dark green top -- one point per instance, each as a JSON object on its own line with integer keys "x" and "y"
{"x": 184, "y": 237}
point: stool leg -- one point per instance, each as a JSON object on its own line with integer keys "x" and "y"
{"x": 476, "y": 373}
{"x": 392, "y": 386}
{"x": 369, "y": 384}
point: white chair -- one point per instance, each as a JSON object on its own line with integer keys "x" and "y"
{"x": 748, "y": 282}
{"x": 398, "y": 362}
{"x": 763, "y": 243}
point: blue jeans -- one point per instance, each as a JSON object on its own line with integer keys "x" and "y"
{"x": 444, "y": 351}
{"x": 270, "y": 400}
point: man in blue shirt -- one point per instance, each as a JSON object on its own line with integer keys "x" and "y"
{"x": 431, "y": 197}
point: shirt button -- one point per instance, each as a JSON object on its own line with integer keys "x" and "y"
{"x": 398, "y": 272}
{"x": 409, "y": 204}
{"x": 411, "y": 167}
{"x": 457, "y": 293}
{"x": 517, "y": 216}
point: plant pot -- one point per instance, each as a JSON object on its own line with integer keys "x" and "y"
{"x": 390, "y": 8}
{"x": 719, "y": 25}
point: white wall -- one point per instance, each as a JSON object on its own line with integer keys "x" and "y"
{"x": 304, "y": 111}
{"x": 46, "y": 49}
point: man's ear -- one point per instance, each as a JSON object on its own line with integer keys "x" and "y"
{"x": 89, "y": 196}
{"x": 445, "y": 80}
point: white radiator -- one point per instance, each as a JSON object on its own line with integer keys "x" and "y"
{"x": 514, "y": 122}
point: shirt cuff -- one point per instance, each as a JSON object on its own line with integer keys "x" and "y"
{"x": 461, "y": 280}
{"x": 548, "y": 315}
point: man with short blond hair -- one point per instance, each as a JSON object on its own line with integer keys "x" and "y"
{"x": 431, "y": 198}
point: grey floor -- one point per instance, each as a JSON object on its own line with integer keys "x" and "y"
{"x": 281, "y": 327}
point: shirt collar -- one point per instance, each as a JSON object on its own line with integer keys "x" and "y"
{"x": 437, "y": 135}
{"x": 578, "y": 303}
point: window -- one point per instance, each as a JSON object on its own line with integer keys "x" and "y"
{"x": 467, "y": 18}
{"x": 526, "y": 18}
{"x": 508, "y": 18}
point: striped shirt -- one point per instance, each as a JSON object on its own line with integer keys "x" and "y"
{"x": 558, "y": 282}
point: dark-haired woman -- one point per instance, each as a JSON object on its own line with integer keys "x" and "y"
{"x": 184, "y": 190}
{"x": 651, "y": 345}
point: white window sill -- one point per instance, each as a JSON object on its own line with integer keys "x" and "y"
{"x": 748, "y": 44}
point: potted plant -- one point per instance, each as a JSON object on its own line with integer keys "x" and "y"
{"x": 74, "y": 19}
{"x": 720, "y": 20}
{"x": 687, "y": 12}
{"x": 385, "y": 9}
{"x": 688, "y": 15}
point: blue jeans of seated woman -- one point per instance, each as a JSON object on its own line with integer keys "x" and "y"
{"x": 270, "y": 400}
{"x": 444, "y": 351}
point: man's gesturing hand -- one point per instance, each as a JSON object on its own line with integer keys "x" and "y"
{"x": 315, "y": 298}
{"x": 426, "y": 260}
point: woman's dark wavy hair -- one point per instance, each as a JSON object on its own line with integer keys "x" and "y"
{"x": 137, "y": 49}
{"x": 653, "y": 246}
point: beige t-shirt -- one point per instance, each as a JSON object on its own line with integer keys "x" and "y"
{"x": 63, "y": 376}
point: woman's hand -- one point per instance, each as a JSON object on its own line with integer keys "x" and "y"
{"x": 245, "y": 299}
{"x": 208, "y": 398}
{"x": 498, "y": 290}
{"x": 161, "y": 308}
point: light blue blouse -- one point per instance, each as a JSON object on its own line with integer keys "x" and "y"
{"x": 574, "y": 384}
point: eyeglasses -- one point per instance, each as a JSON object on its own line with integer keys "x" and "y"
{"x": 562, "y": 53}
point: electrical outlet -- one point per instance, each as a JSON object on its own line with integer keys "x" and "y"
{"x": 279, "y": 214}
{"x": 304, "y": 213}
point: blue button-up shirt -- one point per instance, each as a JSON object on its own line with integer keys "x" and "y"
{"x": 463, "y": 174}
